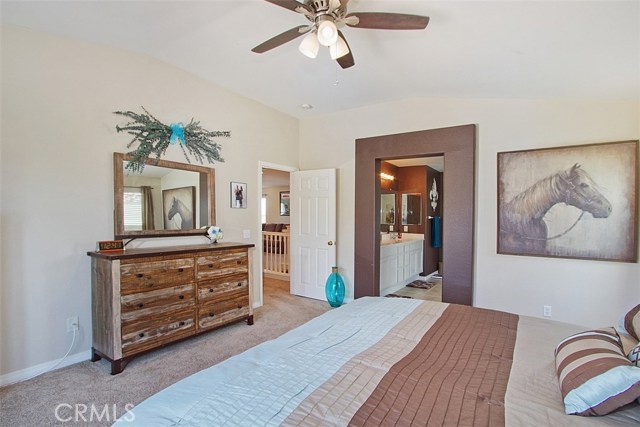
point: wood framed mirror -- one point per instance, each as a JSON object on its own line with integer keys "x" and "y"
{"x": 167, "y": 199}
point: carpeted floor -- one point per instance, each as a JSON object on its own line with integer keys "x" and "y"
{"x": 86, "y": 393}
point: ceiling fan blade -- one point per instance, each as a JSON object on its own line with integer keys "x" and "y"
{"x": 281, "y": 39}
{"x": 346, "y": 61}
{"x": 388, "y": 21}
{"x": 289, "y": 4}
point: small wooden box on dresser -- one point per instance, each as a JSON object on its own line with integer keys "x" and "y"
{"x": 145, "y": 298}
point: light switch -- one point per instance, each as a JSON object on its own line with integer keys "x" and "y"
{"x": 406, "y": 228}
{"x": 246, "y": 234}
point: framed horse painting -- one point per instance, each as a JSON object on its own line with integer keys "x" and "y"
{"x": 179, "y": 208}
{"x": 570, "y": 202}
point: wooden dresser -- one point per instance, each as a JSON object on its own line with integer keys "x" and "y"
{"x": 145, "y": 298}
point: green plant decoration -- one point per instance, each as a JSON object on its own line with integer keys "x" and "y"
{"x": 154, "y": 137}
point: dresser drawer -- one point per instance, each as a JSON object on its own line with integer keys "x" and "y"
{"x": 156, "y": 303}
{"x": 236, "y": 284}
{"x": 222, "y": 263}
{"x": 223, "y": 311}
{"x": 137, "y": 275}
{"x": 146, "y": 334}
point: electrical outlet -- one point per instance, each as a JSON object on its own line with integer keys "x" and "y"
{"x": 546, "y": 311}
{"x": 246, "y": 234}
{"x": 73, "y": 324}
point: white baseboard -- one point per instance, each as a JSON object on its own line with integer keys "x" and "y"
{"x": 24, "y": 374}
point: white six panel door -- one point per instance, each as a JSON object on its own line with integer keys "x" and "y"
{"x": 313, "y": 231}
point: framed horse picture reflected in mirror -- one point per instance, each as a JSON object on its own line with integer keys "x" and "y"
{"x": 179, "y": 208}
{"x": 570, "y": 202}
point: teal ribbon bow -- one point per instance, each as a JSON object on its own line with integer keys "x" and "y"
{"x": 177, "y": 133}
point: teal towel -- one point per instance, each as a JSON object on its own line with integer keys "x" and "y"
{"x": 436, "y": 236}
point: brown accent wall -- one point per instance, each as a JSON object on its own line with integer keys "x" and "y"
{"x": 392, "y": 170}
{"x": 457, "y": 145}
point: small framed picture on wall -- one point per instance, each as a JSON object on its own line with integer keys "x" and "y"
{"x": 284, "y": 203}
{"x": 238, "y": 195}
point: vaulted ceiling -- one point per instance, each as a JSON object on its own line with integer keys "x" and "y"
{"x": 470, "y": 49}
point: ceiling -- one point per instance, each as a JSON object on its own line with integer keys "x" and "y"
{"x": 436, "y": 162}
{"x": 470, "y": 49}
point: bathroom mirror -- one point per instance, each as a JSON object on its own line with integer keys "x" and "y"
{"x": 166, "y": 199}
{"x": 388, "y": 208}
{"x": 411, "y": 209}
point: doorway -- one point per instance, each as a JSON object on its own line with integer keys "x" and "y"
{"x": 273, "y": 248}
{"x": 418, "y": 180}
{"x": 457, "y": 146}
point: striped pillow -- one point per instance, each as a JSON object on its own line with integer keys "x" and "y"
{"x": 634, "y": 355}
{"x": 632, "y": 322}
{"x": 595, "y": 375}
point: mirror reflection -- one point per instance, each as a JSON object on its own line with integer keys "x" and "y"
{"x": 387, "y": 208}
{"x": 161, "y": 199}
{"x": 166, "y": 199}
{"x": 411, "y": 209}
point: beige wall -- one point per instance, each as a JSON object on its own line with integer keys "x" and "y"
{"x": 58, "y": 136}
{"x": 273, "y": 205}
{"x": 592, "y": 293}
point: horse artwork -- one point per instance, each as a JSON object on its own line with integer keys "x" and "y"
{"x": 179, "y": 208}
{"x": 522, "y": 226}
{"x": 572, "y": 212}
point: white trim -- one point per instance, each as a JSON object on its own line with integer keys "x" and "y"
{"x": 33, "y": 371}
{"x": 265, "y": 165}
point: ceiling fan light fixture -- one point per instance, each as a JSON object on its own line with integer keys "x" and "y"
{"x": 327, "y": 31}
{"x": 309, "y": 46}
{"x": 338, "y": 49}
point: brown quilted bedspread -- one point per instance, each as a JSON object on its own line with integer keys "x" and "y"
{"x": 457, "y": 374}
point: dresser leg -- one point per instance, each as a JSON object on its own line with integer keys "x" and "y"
{"x": 116, "y": 366}
{"x": 94, "y": 355}
{"x": 250, "y": 320}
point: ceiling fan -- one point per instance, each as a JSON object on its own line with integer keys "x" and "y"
{"x": 327, "y": 17}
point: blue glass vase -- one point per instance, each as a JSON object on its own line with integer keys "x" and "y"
{"x": 334, "y": 288}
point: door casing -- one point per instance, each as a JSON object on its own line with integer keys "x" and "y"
{"x": 457, "y": 145}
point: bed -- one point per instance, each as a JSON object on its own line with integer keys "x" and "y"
{"x": 385, "y": 361}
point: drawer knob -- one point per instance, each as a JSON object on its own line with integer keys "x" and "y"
{"x": 210, "y": 265}
{"x": 181, "y": 323}
{"x": 181, "y": 297}
{"x": 239, "y": 306}
{"x": 140, "y": 305}
{"x": 238, "y": 262}
{"x": 180, "y": 270}
{"x": 210, "y": 290}
{"x": 139, "y": 275}
{"x": 141, "y": 334}
{"x": 239, "y": 284}
{"x": 211, "y": 314}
